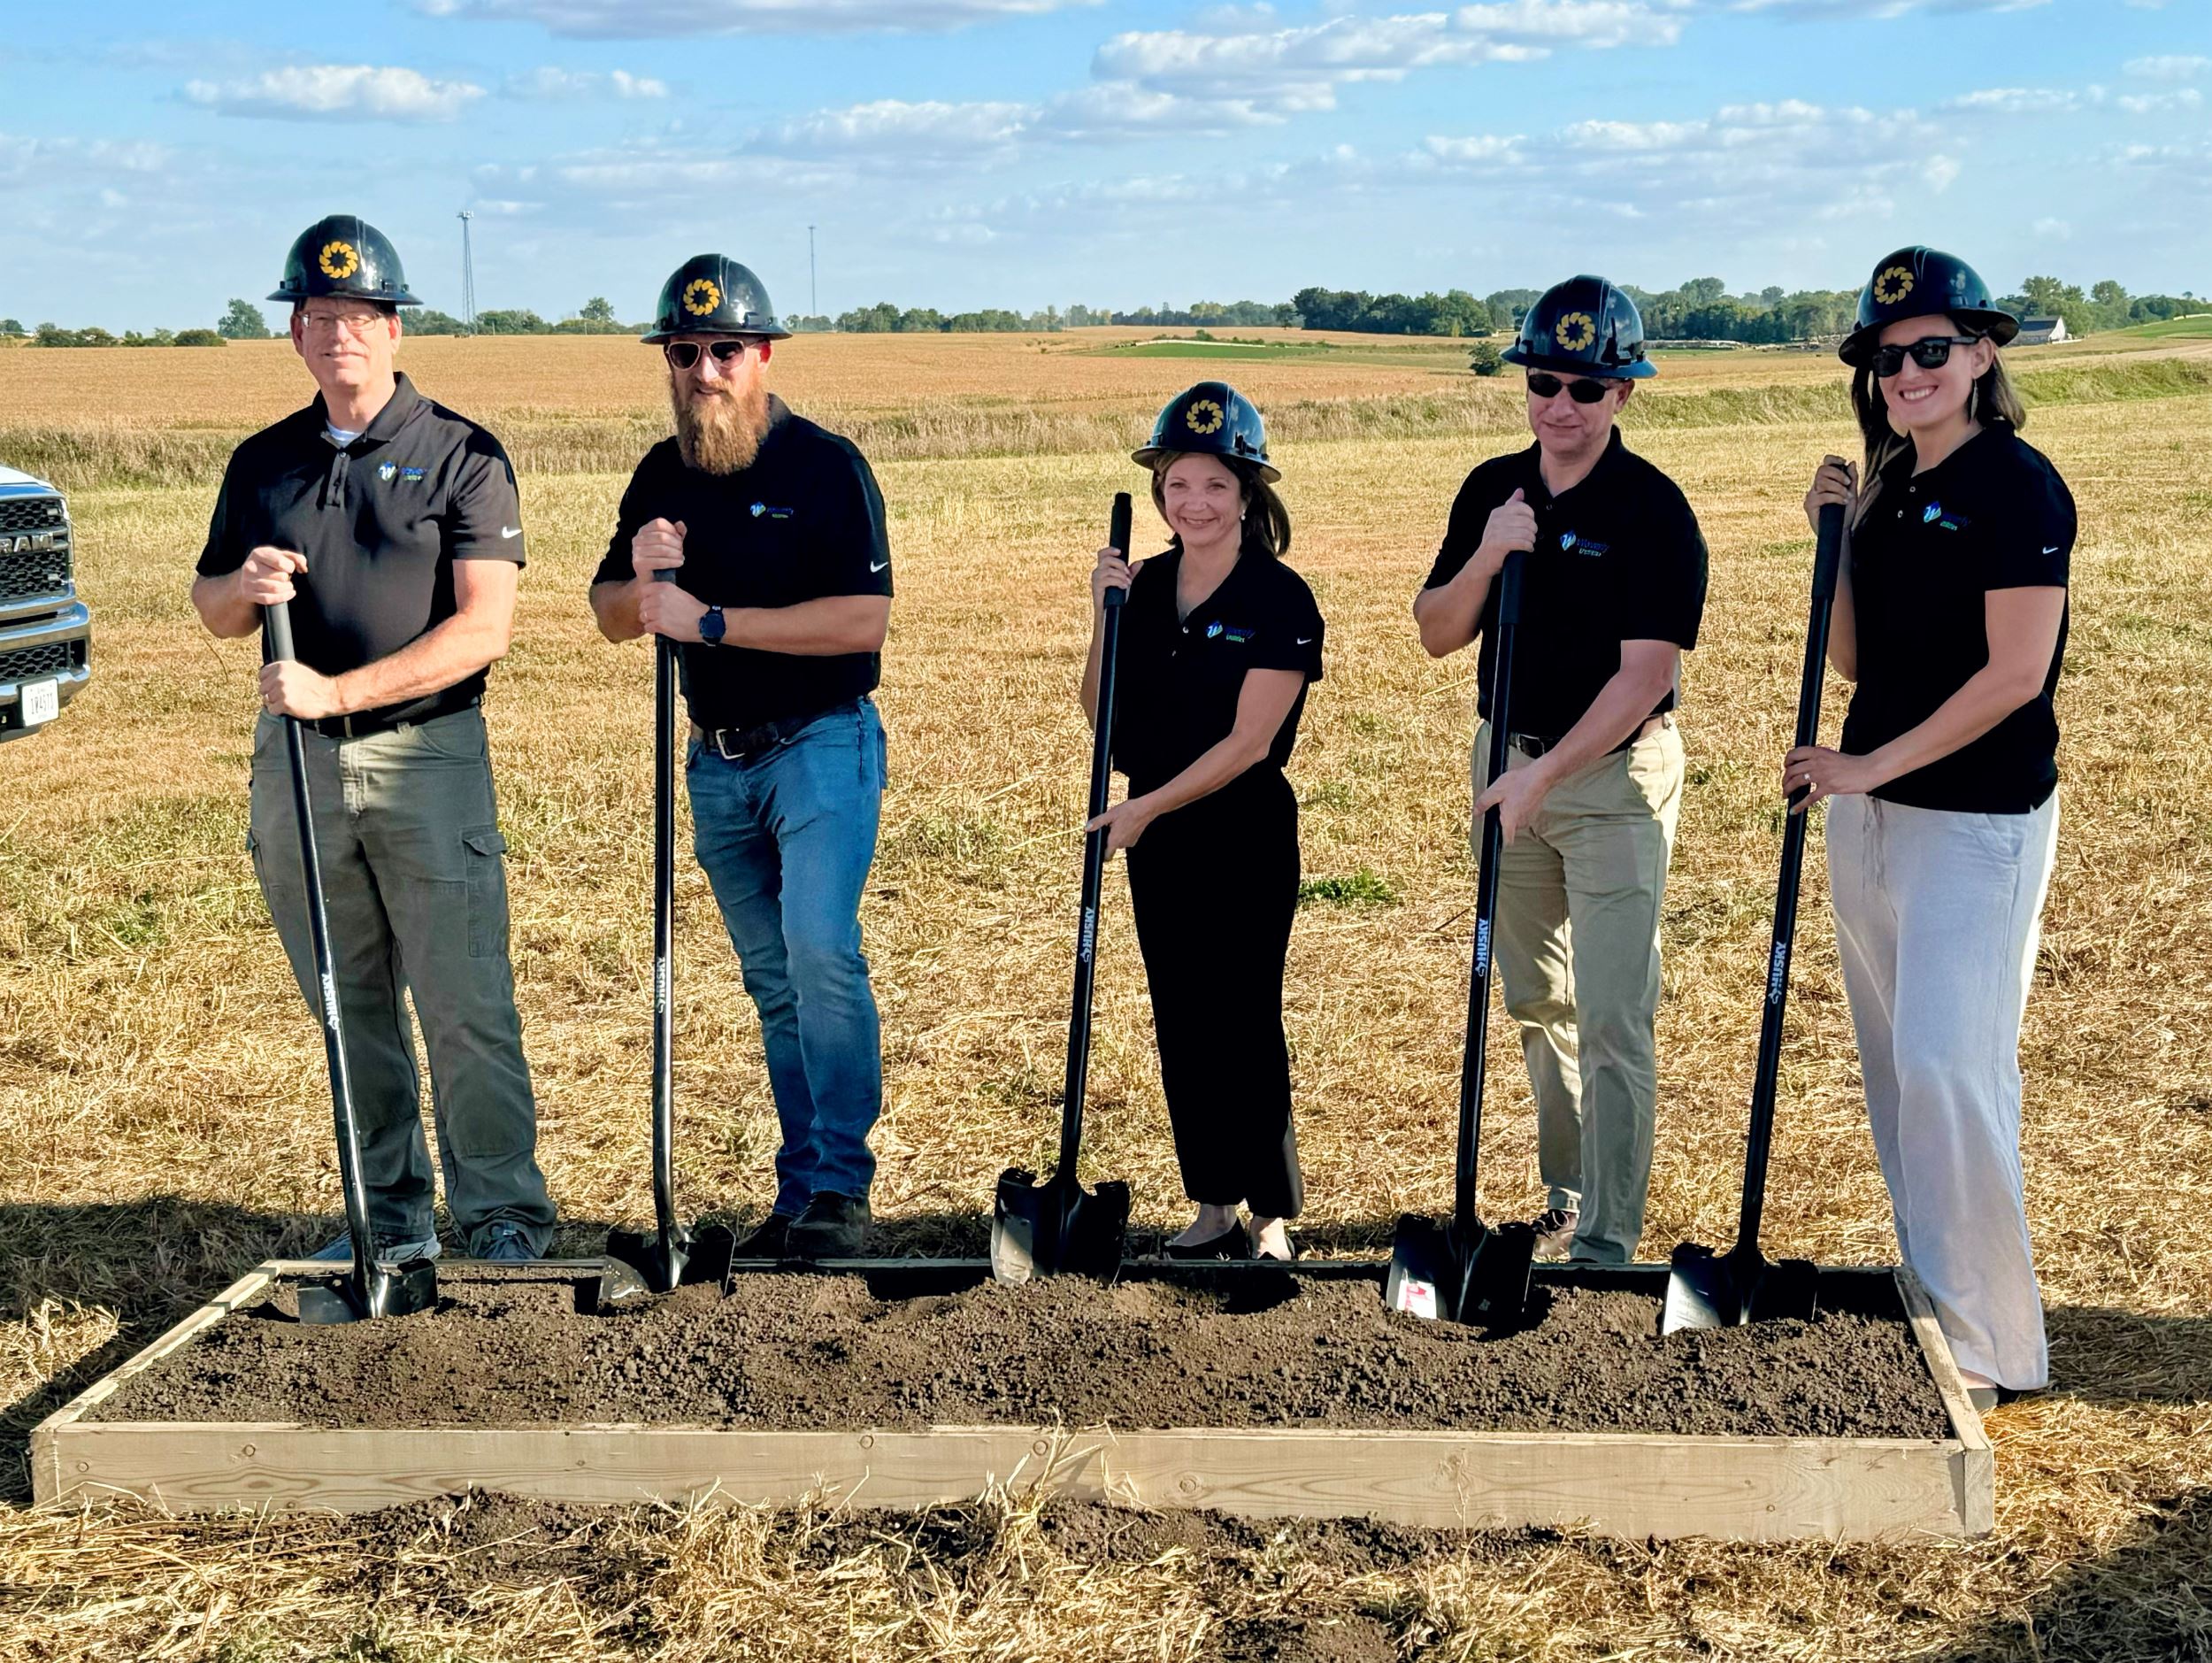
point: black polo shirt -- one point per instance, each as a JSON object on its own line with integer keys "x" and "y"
{"x": 803, "y": 521}
{"x": 1994, "y": 514}
{"x": 1178, "y": 679}
{"x": 380, "y": 520}
{"x": 1617, "y": 557}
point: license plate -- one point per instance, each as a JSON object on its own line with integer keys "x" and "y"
{"x": 42, "y": 703}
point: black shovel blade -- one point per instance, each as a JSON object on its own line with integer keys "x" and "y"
{"x": 1706, "y": 1289}
{"x": 393, "y": 1291}
{"x": 1480, "y": 1279}
{"x": 687, "y": 1257}
{"x": 1056, "y": 1228}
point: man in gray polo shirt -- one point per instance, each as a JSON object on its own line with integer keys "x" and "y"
{"x": 393, "y": 527}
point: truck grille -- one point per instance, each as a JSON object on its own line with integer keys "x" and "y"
{"x": 52, "y": 658}
{"x": 25, "y": 576}
{"x": 30, "y": 513}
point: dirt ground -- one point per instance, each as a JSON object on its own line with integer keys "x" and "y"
{"x": 797, "y": 1350}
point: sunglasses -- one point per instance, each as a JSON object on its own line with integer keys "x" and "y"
{"x": 1931, "y": 354}
{"x": 683, "y": 354}
{"x": 1583, "y": 392}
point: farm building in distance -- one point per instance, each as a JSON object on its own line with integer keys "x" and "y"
{"x": 2041, "y": 331}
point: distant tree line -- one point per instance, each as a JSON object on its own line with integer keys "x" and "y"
{"x": 1698, "y": 309}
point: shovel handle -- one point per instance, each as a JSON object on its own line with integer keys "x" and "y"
{"x": 277, "y": 628}
{"x": 1471, "y": 1063}
{"x": 1117, "y": 537}
{"x": 1759, "y": 1141}
{"x": 673, "y": 1236}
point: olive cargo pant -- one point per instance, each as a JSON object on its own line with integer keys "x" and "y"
{"x": 416, "y": 889}
{"x": 1578, "y": 948}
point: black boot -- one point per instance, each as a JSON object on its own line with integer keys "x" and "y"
{"x": 768, "y": 1239}
{"x": 834, "y": 1225}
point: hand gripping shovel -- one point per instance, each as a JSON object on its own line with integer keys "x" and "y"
{"x": 367, "y": 1288}
{"x": 1706, "y": 1289}
{"x": 671, "y": 1255}
{"x": 1463, "y": 1271}
{"x": 1057, "y": 1227}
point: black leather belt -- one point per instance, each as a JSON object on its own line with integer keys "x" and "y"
{"x": 372, "y": 721}
{"x": 1532, "y": 746}
{"x": 741, "y": 744}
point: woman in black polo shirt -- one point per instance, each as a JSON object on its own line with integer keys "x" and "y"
{"x": 1218, "y": 641}
{"x": 1950, "y": 619}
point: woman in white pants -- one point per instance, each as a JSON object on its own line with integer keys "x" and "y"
{"x": 1951, "y": 619}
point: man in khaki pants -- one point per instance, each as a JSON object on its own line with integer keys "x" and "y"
{"x": 1615, "y": 588}
{"x": 392, "y": 528}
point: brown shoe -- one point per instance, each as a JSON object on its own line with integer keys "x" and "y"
{"x": 1554, "y": 1233}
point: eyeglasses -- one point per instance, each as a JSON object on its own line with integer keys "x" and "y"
{"x": 349, "y": 322}
{"x": 683, "y": 354}
{"x": 1931, "y": 354}
{"x": 1586, "y": 391}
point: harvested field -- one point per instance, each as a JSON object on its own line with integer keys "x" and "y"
{"x": 163, "y": 1126}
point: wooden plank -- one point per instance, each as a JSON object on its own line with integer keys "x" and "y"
{"x": 1975, "y": 1462}
{"x": 47, "y": 1478}
{"x": 1617, "y": 1485}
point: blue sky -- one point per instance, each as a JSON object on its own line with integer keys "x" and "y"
{"x": 156, "y": 160}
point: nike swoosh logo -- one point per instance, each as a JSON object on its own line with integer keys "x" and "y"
{"x": 2054, "y": 548}
{"x": 1305, "y": 641}
{"x": 511, "y": 531}
{"x": 878, "y": 565}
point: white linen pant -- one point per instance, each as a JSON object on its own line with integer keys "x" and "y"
{"x": 1936, "y": 917}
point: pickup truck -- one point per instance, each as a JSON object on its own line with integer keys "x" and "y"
{"x": 45, "y": 632}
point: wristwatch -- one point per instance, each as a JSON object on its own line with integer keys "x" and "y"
{"x": 711, "y": 624}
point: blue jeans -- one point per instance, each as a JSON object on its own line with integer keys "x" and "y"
{"x": 786, "y": 839}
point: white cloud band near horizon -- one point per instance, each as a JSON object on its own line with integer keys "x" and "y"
{"x": 340, "y": 91}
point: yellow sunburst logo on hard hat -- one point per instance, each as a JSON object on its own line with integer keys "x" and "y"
{"x": 1892, "y": 286}
{"x": 339, "y": 261}
{"x": 1576, "y": 331}
{"x": 700, "y": 297}
{"x": 1204, "y": 416}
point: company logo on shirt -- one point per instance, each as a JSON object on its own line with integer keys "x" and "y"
{"x": 1933, "y": 515}
{"x": 390, "y": 471}
{"x": 771, "y": 511}
{"x": 1574, "y": 542}
{"x": 1237, "y": 633}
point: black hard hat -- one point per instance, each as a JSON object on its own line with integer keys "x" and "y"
{"x": 343, "y": 254}
{"x": 1584, "y": 326}
{"x": 1920, "y": 282}
{"x": 1211, "y": 419}
{"x": 711, "y": 294}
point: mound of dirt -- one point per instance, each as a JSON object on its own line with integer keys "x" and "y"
{"x": 795, "y": 1351}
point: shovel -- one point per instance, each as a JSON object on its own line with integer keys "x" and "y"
{"x": 1462, "y": 1270}
{"x": 1706, "y": 1289}
{"x": 367, "y": 1288}
{"x": 673, "y": 1254}
{"x": 1057, "y": 1227}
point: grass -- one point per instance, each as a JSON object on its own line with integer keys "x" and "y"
{"x": 163, "y": 1123}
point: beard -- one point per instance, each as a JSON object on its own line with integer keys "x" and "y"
{"x": 719, "y": 432}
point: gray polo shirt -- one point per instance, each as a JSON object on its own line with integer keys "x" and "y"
{"x": 381, "y": 520}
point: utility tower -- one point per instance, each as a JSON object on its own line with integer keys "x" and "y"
{"x": 468, "y": 274}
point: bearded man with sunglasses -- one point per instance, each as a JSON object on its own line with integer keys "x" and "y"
{"x": 1613, "y": 594}
{"x": 755, "y": 540}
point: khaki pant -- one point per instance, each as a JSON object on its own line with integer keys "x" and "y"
{"x": 415, "y": 883}
{"x": 1578, "y": 948}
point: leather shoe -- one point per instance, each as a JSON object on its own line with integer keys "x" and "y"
{"x": 834, "y": 1225}
{"x": 768, "y": 1239}
{"x": 1233, "y": 1242}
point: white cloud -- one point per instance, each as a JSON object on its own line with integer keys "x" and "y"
{"x": 555, "y": 84}
{"x": 2024, "y": 100}
{"x": 339, "y": 91}
{"x": 2056, "y": 230}
{"x": 2169, "y": 66}
{"x": 35, "y": 161}
{"x": 1285, "y": 71}
{"x": 2155, "y": 103}
{"x": 895, "y": 130}
{"x": 1890, "y": 8}
{"x": 650, "y": 20}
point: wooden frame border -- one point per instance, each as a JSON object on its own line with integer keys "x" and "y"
{"x": 1623, "y": 1484}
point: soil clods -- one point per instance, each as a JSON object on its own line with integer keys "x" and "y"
{"x": 798, "y": 1352}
